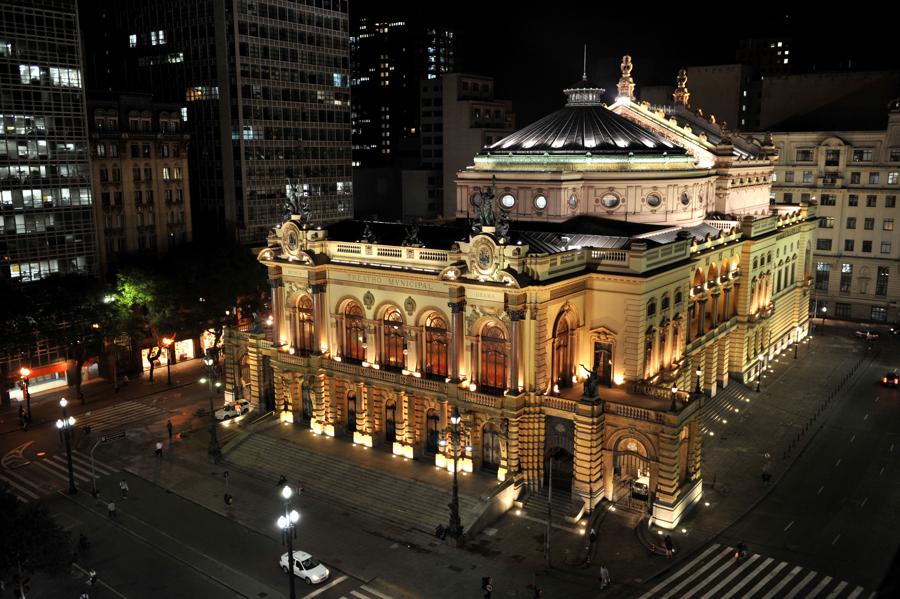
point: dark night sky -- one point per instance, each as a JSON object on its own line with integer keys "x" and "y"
{"x": 534, "y": 50}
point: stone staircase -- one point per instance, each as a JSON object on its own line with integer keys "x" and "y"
{"x": 565, "y": 511}
{"x": 404, "y": 501}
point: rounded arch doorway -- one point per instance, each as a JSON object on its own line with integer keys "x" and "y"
{"x": 631, "y": 470}
{"x": 559, "y": 469}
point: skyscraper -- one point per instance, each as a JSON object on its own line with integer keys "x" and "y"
{"x": 46, "y": 225}
{"x": 263, "y": 89}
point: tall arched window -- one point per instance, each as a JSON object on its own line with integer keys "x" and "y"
{"x": 436, "y": 345}
{"x": 305, "y": 341}
{"x": 493, "y": 358}
{"x": 562, "y": 367}
{"x": 354, "y": 332}
{"x": 394, "y": 340}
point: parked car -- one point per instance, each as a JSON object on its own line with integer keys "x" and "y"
{"x": 891, "y": 379}
{"x": 867, "y": 334}
{"x": 306, "y": 567}
{"x": 640, "y": 488}
{"x": 233, "y": 410}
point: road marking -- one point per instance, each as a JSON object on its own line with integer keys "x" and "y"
{"x": 652, "y": 592}
{"x": 100, "y": 580}
{"x": 819, "y": 587}
{"x": 16, "y": 486}
{"x": 863, "y": 504}
{"x": 836, "y": 539}
{"x": 819, "y": 492}
{"x": 737, "y": 587}
{"x": 892, "y": 448}
{"x": 321, "y": 590}
{"x": 781, "y": 584}
{"x": 876, "y": 399}
{"x": 791, "y": 523}
{"x": 360, "y": 595}
{"x": 725, "y": 552}
{"x": 837, "y": 591}
{"x": 856, "y": 593}
{"x": 866, "y": 417}
{"x": 802, "y": 584}
{"x": 838, "y": 463}
{"x": 880, "y": 472}
{"x": 728, "y": 578}
{"x": 63, "y": 474}
{"x": 375, "y": 592}
{"x": 853, "y": 438}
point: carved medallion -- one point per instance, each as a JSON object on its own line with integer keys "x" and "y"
{"x": 290, "y": 239}
{"x": 409, "y": 305}
{"x": 483, "y": 256}
{"x": 369, "y": 300}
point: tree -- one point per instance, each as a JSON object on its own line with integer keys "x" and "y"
{"x": 32, "y": 541}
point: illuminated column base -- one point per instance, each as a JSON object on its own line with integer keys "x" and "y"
{"x": 445, "y": 463}
{"x": 286, "y": 417}
{"x": 362, "y": 439}
{"x": 668, "y": 516}
{"x": 402, "y": 450}
{"x": 321, "y": 428}
{"x": 501, "y": 474}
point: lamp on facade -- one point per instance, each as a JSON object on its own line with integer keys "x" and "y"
{"x": 759, "y": 372}
{"x": 698, "y": 372}
{"x": 65, "y": 425}
{"x": 674, "y": 407}
{"x": 214, "y": 451}
{"x": 167, "y": 343}
{"x": 24, "y": 373}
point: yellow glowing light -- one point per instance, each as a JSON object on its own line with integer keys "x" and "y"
{"x": 619, "y": 379}
{"x": 166, "y": 341}
{"x": 24, "y": 372}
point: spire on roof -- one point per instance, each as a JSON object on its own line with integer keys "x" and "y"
{"x": 584, "y": 68}
{"x": 626, "y": 82}
{"x": 681, "y": 95}
{"x": 584, "y": 93}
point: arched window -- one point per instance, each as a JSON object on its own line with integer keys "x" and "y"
{"x": 305, "y": 341}
{"x": 490, "y": 448}
{"x": 394, "y": 339}
{"x": 651, "y": 308}
{"x": 390, "y": 421}
{"x": 354, "y": 333}
{"x": 562, "y": 354}
{"x": 664, "y": 304}
{"x": 677, "y": 298}
{"x": 436, "y": 345}
{"x": 351, "y": 412}
{"x": 493, "y": 358}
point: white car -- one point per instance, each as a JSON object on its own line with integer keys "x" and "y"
{"x": 233, "y": 410}
{"x": 306, "y": 567}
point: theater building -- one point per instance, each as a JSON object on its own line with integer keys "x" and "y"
{"x": 616, "y": 253}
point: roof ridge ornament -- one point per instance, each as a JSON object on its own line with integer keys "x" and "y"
{"x": 681, "y": 95}
{"x": 626, "y": 81}
{"x": 584, "y": 93}
{"x": 584, "y": 67}
{"x": 296, "y": 203}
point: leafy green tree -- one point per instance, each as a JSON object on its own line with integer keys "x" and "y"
{"x": 32, "y": 541}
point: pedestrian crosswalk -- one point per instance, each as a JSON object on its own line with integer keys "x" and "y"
{"x": 714, "y": 574}
{"x": 344, "y": 587}
{"x": 44, "y": 475}
{"x": 117, "y": 415}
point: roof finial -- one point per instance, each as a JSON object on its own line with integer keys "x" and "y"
{"x": 626, "y": 82}
{"x": 584, "y": 70}
{"x": 681, "y": 95}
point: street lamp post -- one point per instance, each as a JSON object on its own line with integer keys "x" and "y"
{"x": 698, "y": 372}
{"x": 455, "y": 528}
{"x": 287, "y": 523}
{"x": 167, "y": 343}
{"x": 824, "y": 313}
{"x": 759, "y": 372}
{"x": 674, "y": 407}
{"x": 214, "y": 451}
{"x": 65, "y": 424}
{"x": 24, "y": 373}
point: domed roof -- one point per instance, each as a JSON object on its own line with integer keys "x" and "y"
{"x": 584, "y": 125}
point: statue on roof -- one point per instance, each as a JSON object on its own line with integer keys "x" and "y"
{"x": 368, "y": 235}
{"x": 484, "y": 203}
{"x": 591, "y": 383}
{"x": 412, "y": 236}
{"x": 681, "y": 95}
{"x": 502, "y": 226}
{"x": 296, "y": 202}
{"x": 626, "y": 82}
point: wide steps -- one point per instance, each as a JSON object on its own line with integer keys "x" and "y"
{"x": 403, "y": 500}
{"x": 536, "y": 506}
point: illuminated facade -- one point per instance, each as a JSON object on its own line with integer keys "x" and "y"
{"x": 378, "y": 332}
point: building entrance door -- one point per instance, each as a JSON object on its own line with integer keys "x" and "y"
{"x": 351, "y": 413}
{"x": 433, "y": 433}
{"x": 390, "y": 423}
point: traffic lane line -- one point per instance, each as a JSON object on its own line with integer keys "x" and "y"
{"x": 321, "y": 590}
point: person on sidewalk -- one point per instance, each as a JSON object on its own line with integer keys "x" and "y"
{"x": 111, "y": 508}
{"x": 169, "y": 428}
{"x": 670, "y": 548}
{"x": 123, "y": 486}
{"x": 604, "y": 577}
{"x": 592, "y": 536}
{"x": 487, "y": 585}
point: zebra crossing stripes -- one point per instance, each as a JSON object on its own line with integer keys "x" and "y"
{"x": 115, "y": 416}
{"x": 43, "y": 476}
{"x": 375, "y": 594}
{"x": 715, "y": 571}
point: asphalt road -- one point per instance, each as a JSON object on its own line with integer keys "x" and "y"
{"x": 835, "y": 511}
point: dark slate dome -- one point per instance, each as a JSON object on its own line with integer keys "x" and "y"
{"x": 584, "y": 125}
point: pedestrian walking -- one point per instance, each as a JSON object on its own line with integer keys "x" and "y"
{"x": 169, "y": 428}
{"x": 123, "y": 486}
{"x": 593, "y": 536}
{"x": 111, "y": 508}
{"x": 604, "y": 577}
{"x": 158, "y": 451}
{"x": 487, "y": 585}
{"x": 92, "y": 577}
{"x": 670, "y": 549}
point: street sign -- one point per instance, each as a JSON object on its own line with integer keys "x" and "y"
{"x": 112, "y": 437}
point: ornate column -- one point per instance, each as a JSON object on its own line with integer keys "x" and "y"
{"x": 516, "y": 316}
{"x": 687, "y": 329}
{"x": 727, "y": 315}
{"x": 320, "y": 317}
{"x": 701, "y": 318}
{"x": 277, "y": 286}
{"x": 715, "y": 309}
{"x": 457, "y": 335}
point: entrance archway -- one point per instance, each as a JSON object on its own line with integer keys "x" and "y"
{"x": 351, "y": 412}
{"x": 631, "y": 471}
{"x": 563, "y": 469}
{"x": 490, "y": 448}
{"x": 432, "y": 431}
{"x": 390, "y": 422}
{"x": 306, "y": 399}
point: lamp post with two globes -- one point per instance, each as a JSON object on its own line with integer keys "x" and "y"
{"x": 65, "y": 424}
{"x": 287, "y": 523}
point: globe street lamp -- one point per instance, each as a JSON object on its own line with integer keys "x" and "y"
{"x": 797, "y": 341}
{"x": 759, "y": 372}
{"x": 698, "y": 372}
{"x": 673, "y": 407}
{"x": 824, "y": 313}
{"x": 167, "y": 343}
{"x": 214, "y": 451}
{"x": 24, "y": 373}
{"x": 65, "y": 424}
{"x": 455, "y": 528}
{"x": 287, "y": 523}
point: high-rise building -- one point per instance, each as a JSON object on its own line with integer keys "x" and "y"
{"x": 46, "y": 224}
{"x": 853, "y": 172}
{"x": 389, "y": 57}
{"x": 139, "y": 161}
{"x": 263, "y": 89}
